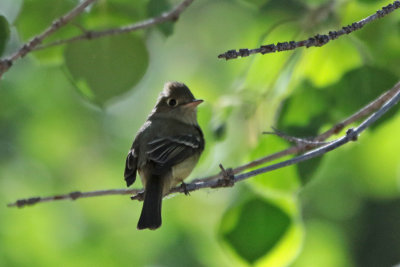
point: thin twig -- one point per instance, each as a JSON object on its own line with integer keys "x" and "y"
{"x": 299, "y": 141}
{"x": 73, "y": 196}
{"x": 374, "y": 105}
{"x": 383, "y": 103}
{"x": 368, "y": 109}
{"x": 6, "y": 63}
{"x": 318, "y": 40}
{"x": 35, "y": 43}
{"x": 351, "y": 135}
{"x": 171, "y": 15}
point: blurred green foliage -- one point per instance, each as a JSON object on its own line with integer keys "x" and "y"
{"x": 271, "y": 223}
{"x": 68, "y": 115}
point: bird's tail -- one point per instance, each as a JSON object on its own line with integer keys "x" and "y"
{"x": 151, "y": 211}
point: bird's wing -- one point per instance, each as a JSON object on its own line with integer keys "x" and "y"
{"x": 131, "y": 167}
{"x": 169, "y": 151}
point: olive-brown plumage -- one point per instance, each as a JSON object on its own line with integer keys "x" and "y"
{"x": 165, "y": 150}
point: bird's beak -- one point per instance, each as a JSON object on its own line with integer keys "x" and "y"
{"x": 194, "y": 103}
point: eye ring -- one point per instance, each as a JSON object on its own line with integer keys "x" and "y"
{"x": 172, "y": 102}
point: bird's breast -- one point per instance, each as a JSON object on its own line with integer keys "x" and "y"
{"x": 183, "y": 169}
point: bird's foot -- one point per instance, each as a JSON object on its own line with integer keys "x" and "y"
{"x": 185, "y": 190}
{"x": 228, "y": 175}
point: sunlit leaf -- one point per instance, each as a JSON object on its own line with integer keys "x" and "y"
{"x": 326, "y": 65}
{"x": 254, "y": 228}
{"x": 106, "y": 67}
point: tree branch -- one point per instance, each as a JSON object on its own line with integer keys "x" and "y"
{"x": 317, "y": 40}
{"x": 171, "y": 15}
{"x": 368, "y": 109}
{"x": 35, "y": 43}
{"x": 228, "y": 178}
{"x": 73, "y": 196}
{"x": 299, "y": 141}
{"x": 6, "y": 63}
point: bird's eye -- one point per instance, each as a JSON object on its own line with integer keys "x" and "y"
{"x": 172, "y": 102}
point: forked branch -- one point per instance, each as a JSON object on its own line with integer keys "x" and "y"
{"x": 229, "y": 177}
{"x": 36, "y": 42}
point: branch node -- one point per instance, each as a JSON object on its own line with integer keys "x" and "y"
{"x": 346, "y": 29}
{"x": 30, "y": 201}
{"x": 267, "y": 49}
{"x": 34, "y": 42}
{"x": 184, "y": 188}
{"x": 89, "y": 35}
{"x": 58, "y": 23}
{"x": 228, "y": 177}
{"x": 338, "y": 127}
{"x": 175, "y": 17}
{"x": 25, "y": 50}
{"x": 351, "y": 134}
{"x": 5, "y": 64}
{"x": 283, "y": 46}
{"x": 244, "y": 52}
{"x": 292, "y": 45}
{"x": 75, "y": 195}
{"x": 321, "y": 39}
{"x": 310, "y": 42}
{"x": 231, "y": 54}
{"x": 139, "y": 196}
{"x": 380, "y": 13}
{"x": 333, "y": 35}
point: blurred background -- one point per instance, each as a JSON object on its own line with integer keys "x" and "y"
{"x": 68, "y": 115}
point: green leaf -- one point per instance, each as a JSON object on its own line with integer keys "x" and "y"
{"x": 284, "y": 181}
{"x": 306, "y": 169}
{"x": 357, "y": 88}
{"x": 304, "y": 112}
{"x": 376, "y": 234}
{"x": 156, "y": 8}
{"x": 36, "y": 16}
{"x": 108, "y": 14}
{"x": 4, "y": 33}
{"x": 106, "y": 67}
{"x": 309, "y": 108}
{"x": 253, "y": 228}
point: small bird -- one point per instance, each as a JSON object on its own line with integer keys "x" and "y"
{"x": 165, "y": 150}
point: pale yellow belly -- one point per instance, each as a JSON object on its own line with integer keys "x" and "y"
{"x": 179, "y": 172}
{"x": 182, "y": 170}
